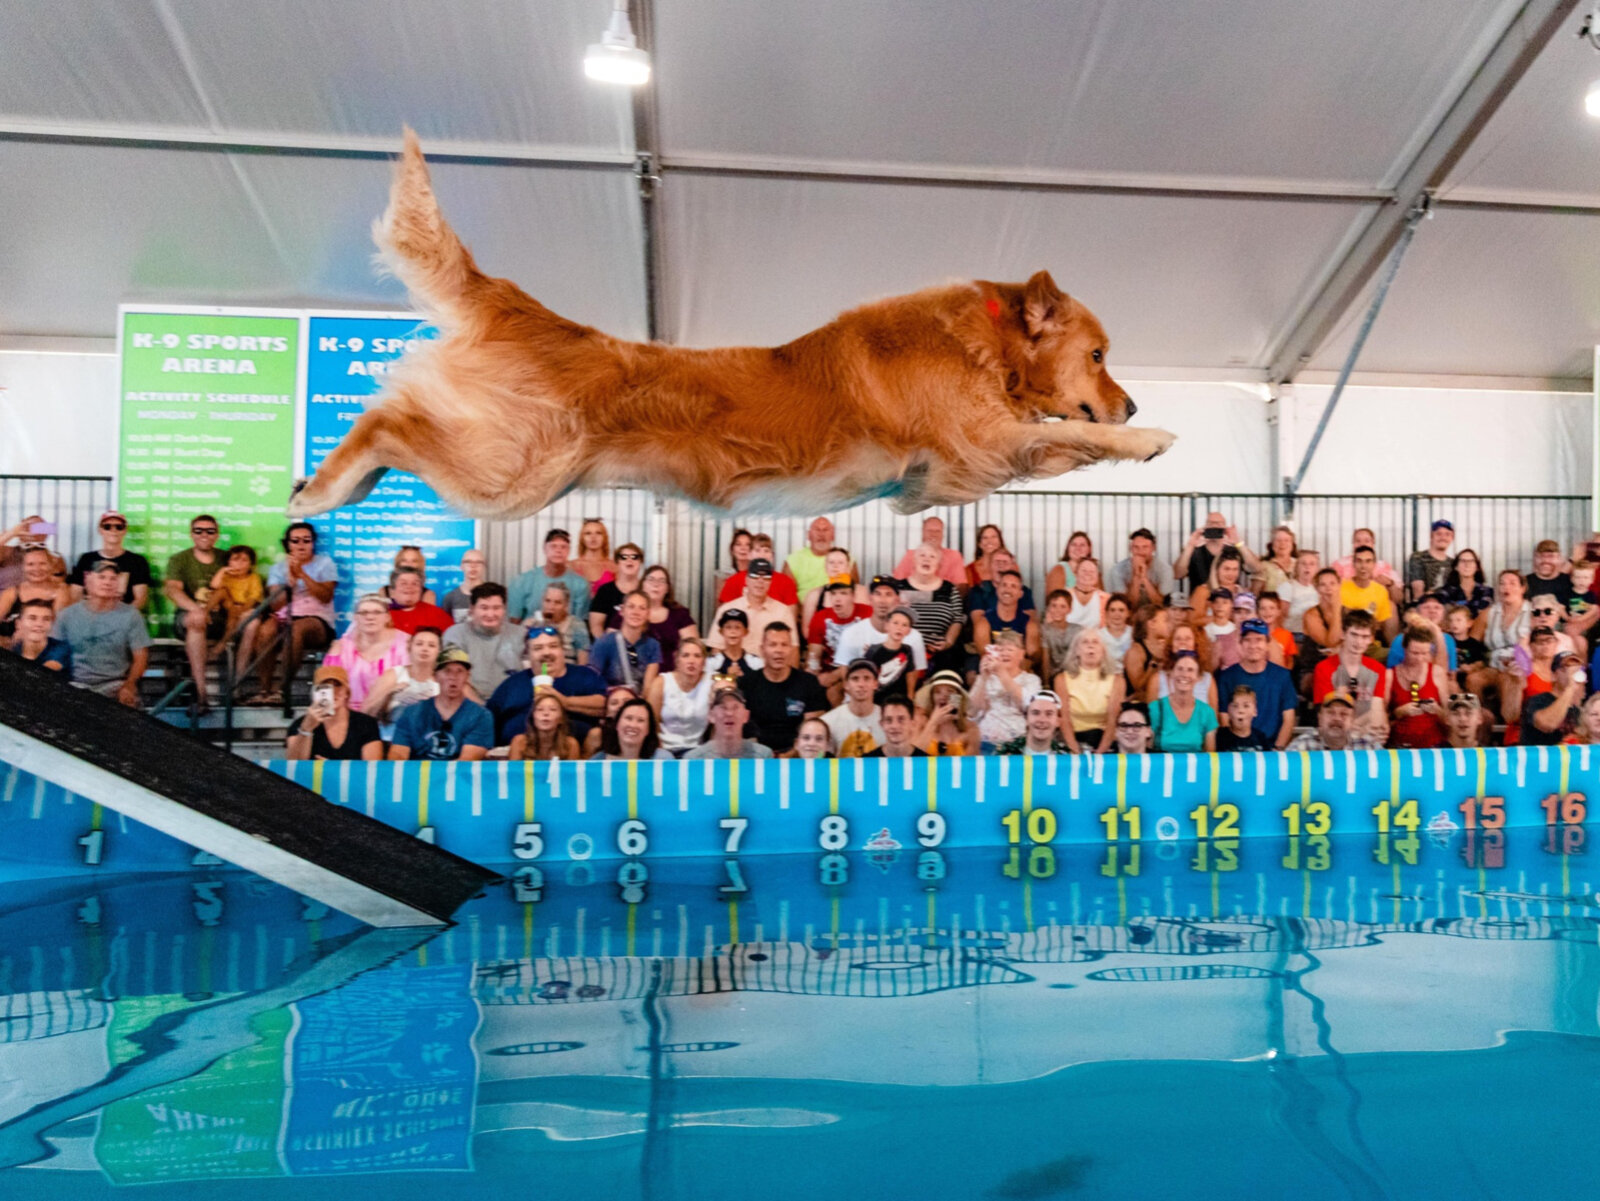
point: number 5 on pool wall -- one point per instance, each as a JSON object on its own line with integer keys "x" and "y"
{"x": 1040, "y": 825}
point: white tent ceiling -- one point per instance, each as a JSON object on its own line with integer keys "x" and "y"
{"x": 1197, "y": 172}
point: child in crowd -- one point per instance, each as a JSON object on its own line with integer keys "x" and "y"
{"x": 897, "y": 673}
{"x": 1269, "y": 608}
{"x": 733, "y": 659}
{"x": 1055, "y": 633}
{"x": 1222, "y": 630}
{"x": 1237, "y": 733}
{"x": 235, "y": 590}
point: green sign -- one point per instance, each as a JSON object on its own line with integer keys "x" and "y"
{"x": 208, "y": 407}
{"x": 222, "y": 1123}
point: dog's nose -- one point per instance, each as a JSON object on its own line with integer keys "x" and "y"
{"x": 1132, "y": 408}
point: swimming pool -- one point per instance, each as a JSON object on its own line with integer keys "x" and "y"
{"x": 1410, "y": 1015}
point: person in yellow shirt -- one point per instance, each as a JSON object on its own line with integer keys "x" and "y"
{"x": 1363, "y": 592}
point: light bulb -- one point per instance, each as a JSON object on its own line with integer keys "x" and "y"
{"x": 616, "y": 57}
{"x": 1591, "y": 102}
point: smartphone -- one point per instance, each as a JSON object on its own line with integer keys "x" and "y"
{"x": 1214, "y": 531}
{"x": 42, "y": 527}
{"x": 322, "y": 697}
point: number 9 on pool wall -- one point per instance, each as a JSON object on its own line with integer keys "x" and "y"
{"x": 930, "y": 829}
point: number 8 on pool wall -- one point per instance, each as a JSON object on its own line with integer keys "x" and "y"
{"x": 834, "y": 833}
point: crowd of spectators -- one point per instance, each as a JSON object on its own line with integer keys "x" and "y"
{"x": 589, "y": 654}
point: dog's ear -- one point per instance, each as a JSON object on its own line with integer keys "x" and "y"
{"x": 1043, "y": 305}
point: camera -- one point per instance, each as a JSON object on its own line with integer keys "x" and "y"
{"x": 1214, "y": 532}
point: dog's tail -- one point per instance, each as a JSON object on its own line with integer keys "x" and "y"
{"x": 416, "y": 244}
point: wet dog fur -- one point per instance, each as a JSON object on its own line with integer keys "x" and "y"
{"x": 934, "y": 398}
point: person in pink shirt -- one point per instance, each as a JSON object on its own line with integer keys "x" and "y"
{"x": 1382, "y": 573}
{"x": 951, "y": 565}
{"x": 370, "y": 647}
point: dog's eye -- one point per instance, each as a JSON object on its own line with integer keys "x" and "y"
{"x": 1098, "y": 356}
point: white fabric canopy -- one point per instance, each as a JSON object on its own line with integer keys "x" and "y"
{"x": 1194, "y": 171}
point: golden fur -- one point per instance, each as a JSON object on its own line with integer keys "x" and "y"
{"x": 935, "y": 398}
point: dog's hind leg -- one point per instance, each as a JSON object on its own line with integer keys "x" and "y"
{"x": 351, "y": 469}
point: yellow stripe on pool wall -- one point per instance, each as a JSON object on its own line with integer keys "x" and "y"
{"x": 527, "y": 790}
{"x": 1394, "y": 777}
{"x": 1566, "y": 763}
{"x": 733, "y": 788}
{"x": 96, "y": 814}
{"x": 1122, "y": 781}
{"x": 933, "y": 786}
{"x": 316, "y": 776}
{"x": 1483, "y": 770}
{"x": 633, "y": 791}
{"x": 1305, "y": 777}
{"x": 1027, "y": 783}
{"x": 1216, "y": 774}
{"x": 833, "y": 786}
{"x": 424, "y": 774}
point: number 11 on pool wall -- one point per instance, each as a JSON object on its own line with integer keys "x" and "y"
{"x": 1114, "y": 820}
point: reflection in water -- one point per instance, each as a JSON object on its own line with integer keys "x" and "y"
{"x": 774, "y": 1023}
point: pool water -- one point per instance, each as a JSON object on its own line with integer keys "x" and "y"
{"x": 1310, "y": 1018}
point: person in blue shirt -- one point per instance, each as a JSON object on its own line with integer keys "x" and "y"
{"x": 447, "y": 726}
{"x": 583, "y": 692}
{"x": 1428, "y": 613}
{"x": 33, "y": 641}
{"x": 1273, "y": 685}
{"x": 629, "y": 656}
{"x": 527, "y": 590}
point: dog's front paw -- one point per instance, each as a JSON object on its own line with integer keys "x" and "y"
{"x": 1148, "y": 443}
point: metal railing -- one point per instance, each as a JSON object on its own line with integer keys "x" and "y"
{"x": 1037, "y": 523}
{"x": 73, "y": 502}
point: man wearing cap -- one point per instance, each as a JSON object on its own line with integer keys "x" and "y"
{"x": 1273, "y": 686}
{"x": 838, "y": 612}
{"x": 806, "y": 566}
{"x": 1428, "y": 569}
{"x": 1550, "y": 717}
{"x": 494, "y": 645}
{"x": 581, "y": 687}
{"x": 527, "y": 590}
{"x": 329, "y": 729}
{"x": 733, "y": 630}
{"x": 729, "y": 719}
{"x": 1335, "y": 728}
{"x": 779, "y": 696}
{"x": 132, "y": 568}
{"x": 1141, "y": 577}
{"x": 855, "y": 725}
{"x": 1547, "y": 578}
{"x": 109, "y": 641}
{"x": 758, "y": 606}
{"x": 1043, "y": 735}
{"x": 899, "y": 720}
{"x": 863, "y": 635}
{"x": 447, "y": 726}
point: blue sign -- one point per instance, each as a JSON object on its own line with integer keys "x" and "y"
{"x": 383, "y": 1074}
{"x": 347, "y": 359}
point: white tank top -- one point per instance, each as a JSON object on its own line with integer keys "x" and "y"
{"x": 684, "y": 714}
{"x": 1084, "y": 615}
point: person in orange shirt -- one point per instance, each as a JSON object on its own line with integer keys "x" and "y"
{"x": 1269, "y": 607}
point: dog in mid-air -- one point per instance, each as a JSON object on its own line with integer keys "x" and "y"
{"x": 935, "y": 398}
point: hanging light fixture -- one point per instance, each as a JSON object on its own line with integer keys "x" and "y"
{"x": 616, "y": 57}
{"x": 1591, "y": 34}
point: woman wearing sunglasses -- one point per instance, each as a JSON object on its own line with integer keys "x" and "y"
{"x": 629, "y": 568}
{"x": 304, "y": 581}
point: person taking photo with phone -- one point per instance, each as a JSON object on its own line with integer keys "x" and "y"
{"x": 330, "y": 729}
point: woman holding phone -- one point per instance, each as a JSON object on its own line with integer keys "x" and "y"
{"x": 329, "y": 729}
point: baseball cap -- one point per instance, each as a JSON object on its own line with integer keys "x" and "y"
{"x": 862, "y": 665}
{"x": 734, "y": 615}
{"x": 1255, "y": 626}
{"x": 557, "y": 535}
{"x": 104, "y": 565}
{"x": 1438, "y": 594}
{"x": 1442, "y": 524}
{"x": 723, "y": 694}
{"x": 330, "y": 674}
{"x": 453, "y": 654}
{"x": 1339, "y": 697}
{"x": 1548, "y": 546}
{"x": 759, "y": 567}
{"x": 1244, "y": 600}
{"x": 885, "y": 581}
{"x": 1562, "y": 658}
{"x": 902, "y": 611}
{"x": 1224, "y": 593}
{"x": 111, "y": 513}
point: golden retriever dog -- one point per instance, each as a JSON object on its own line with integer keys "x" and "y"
{"x": 935, "y": 398}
